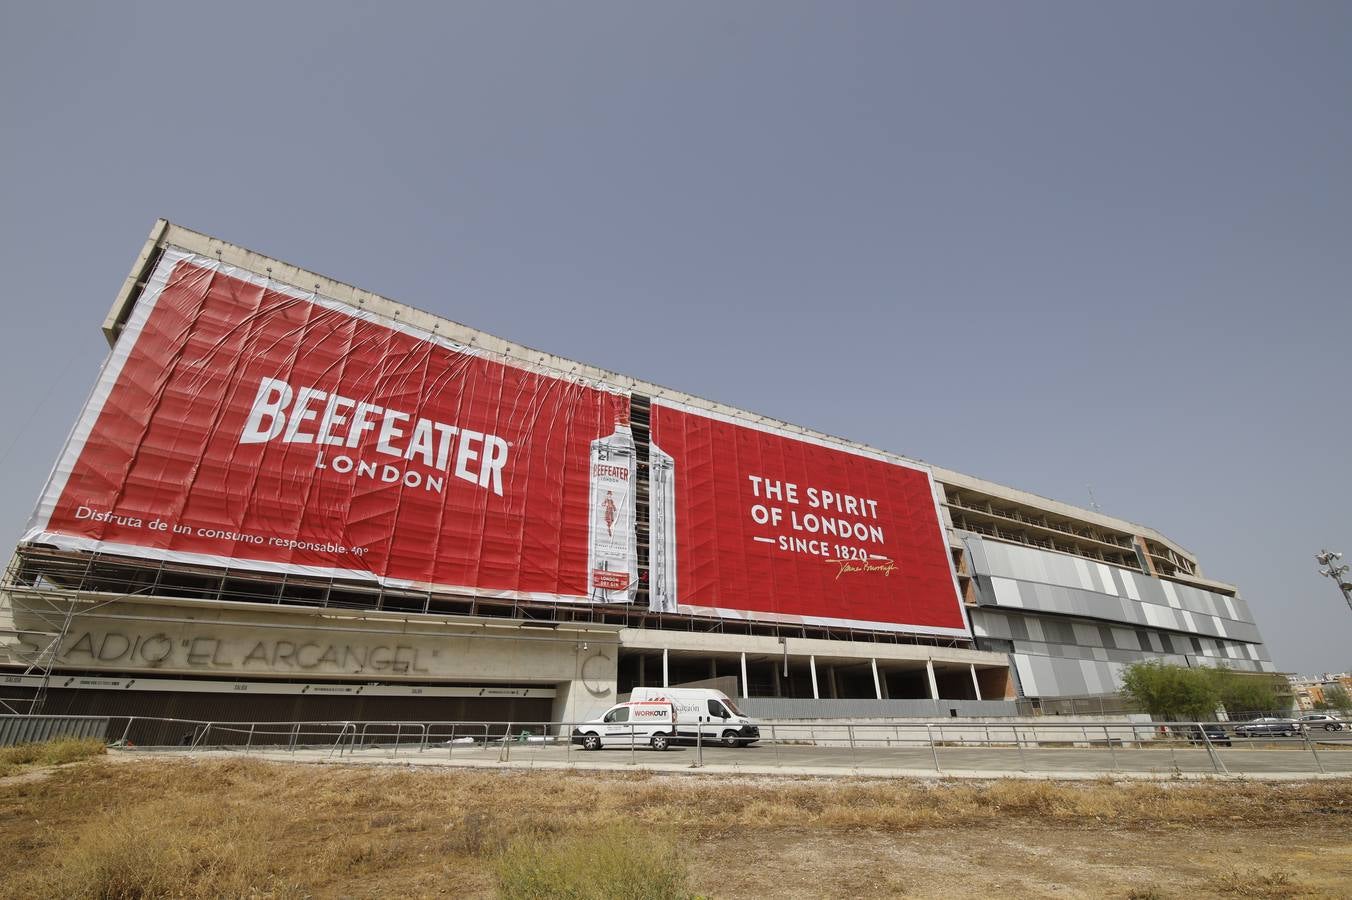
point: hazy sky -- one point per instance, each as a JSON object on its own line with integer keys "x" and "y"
{"x": 1052, "y": 245}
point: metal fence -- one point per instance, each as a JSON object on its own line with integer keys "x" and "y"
{"x": 1044, "y": 747}
{"x": 20, "y": 729}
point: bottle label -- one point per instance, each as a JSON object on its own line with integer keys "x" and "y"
{"x": 612, "y": 557}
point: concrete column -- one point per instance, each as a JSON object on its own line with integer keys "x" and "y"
{"x": 666, "y": 681}
{"x": 812, "y": 666}
{"x": 746, "y": 689}
{"x": 933, "y": 684}
{"x": 831, "y": 681}
{"x": 642, "y": 671}
{"x": 778, "y": 686}
{"x": 877, "y": 685}
{"x": 976, "y": 686}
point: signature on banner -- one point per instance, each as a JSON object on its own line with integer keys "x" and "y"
{"x": 883, "y": 567}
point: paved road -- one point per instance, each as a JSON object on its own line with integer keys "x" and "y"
{"x": 1294, "y": 758}
{"x": 1275, "y": 758}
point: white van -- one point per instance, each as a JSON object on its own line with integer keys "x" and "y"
{"x": 638, "y": 723}
{"x": 709, "y": 711}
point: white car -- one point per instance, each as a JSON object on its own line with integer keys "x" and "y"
{"x": 1319, "y": 720}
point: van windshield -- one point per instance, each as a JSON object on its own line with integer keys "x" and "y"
{"x": 727, "y": 701}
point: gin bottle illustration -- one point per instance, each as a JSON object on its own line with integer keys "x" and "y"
{"x": 661, "y": 530}
{"x": 612, "y": 558}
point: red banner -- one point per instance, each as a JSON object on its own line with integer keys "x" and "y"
{"x": 239, "y": 422}
{"x": 773, "y": 526}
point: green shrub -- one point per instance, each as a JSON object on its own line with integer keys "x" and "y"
{"x": 1170, "y": 692}
{"x": 614, "y": 863}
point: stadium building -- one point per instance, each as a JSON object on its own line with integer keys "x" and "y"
{"x": 289, "y": 499}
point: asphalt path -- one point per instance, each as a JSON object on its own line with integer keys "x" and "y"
{"x": 1276, "y": 757}
{"x": 1286, "y": 757}
{"x": 1320, "y": 752}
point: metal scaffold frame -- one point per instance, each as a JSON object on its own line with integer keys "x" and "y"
{"x": 36, "y": 648}
{"x": 53, "y": 607}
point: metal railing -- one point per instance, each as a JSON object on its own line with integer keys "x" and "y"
{"x": 875, "y": 747}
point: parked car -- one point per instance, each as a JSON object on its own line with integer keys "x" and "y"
{"x": 1214, "y": 734}
{"x": 1268, "y": 726}
{"x": 1319, "y": 720}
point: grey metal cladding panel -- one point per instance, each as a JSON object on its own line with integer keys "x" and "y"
{"x": 1206, "y": 625}
{"x": 991, "y": 624}
{"x": 1060, "y": 677}
{"x": 1051, "y": 598}
{"x": 1060, "y": 569}
{"x": 976, "y": 553}
{"x": 1018, "y": 627}
{"x": 1151, "y": 592}
{"x": 1086, "y": 635}
{"x": 1214, "y": 604}
{"x": 1080, "y": 603}
{"x": 1098, "y": 676}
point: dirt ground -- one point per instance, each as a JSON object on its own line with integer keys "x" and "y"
{"x": 246, "y": 828}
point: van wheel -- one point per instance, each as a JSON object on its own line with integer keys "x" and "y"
{"x": 660, "y": 741}
{"x": 729, "y": 738}
{"x": 591, "y": 742}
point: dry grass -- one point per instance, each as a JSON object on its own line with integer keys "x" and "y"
{"x": 617, "y": 863}
{"x": 1260, "y": 884}
{"x": 240, "y": 827}
{"x": 49, "y": 753}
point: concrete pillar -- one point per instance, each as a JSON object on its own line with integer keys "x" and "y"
{"x": 666, "y": 680}
{"x": 812, "y": 666}
{"x": 778, "y": 686}
{"x": 933, "y": 684}
{"x": 976, "y": 685}
{"x": 642, "y": 671}
{"x": 746, "y": 689}
{"x": 831, "y": 682}
{"x": 877, "y": 685}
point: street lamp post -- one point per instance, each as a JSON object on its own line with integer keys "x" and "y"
{"x": 1338, "y": 573}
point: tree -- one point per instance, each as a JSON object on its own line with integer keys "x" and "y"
{"x": 1335, "y": 697}
{"x": 1170, "y": 692}
{"x": 1251, "y": 693}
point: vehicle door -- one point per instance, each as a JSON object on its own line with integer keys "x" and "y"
{"x": 617, "y": 726}
{"x": 716, "y": 714}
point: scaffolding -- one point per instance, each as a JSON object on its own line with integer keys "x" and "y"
{"x": 34, "y": 622}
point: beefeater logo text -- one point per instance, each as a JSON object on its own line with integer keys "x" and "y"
{"x": 309, "y": 415}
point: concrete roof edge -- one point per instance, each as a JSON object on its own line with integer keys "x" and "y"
{"x": 1016, "y": 495}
